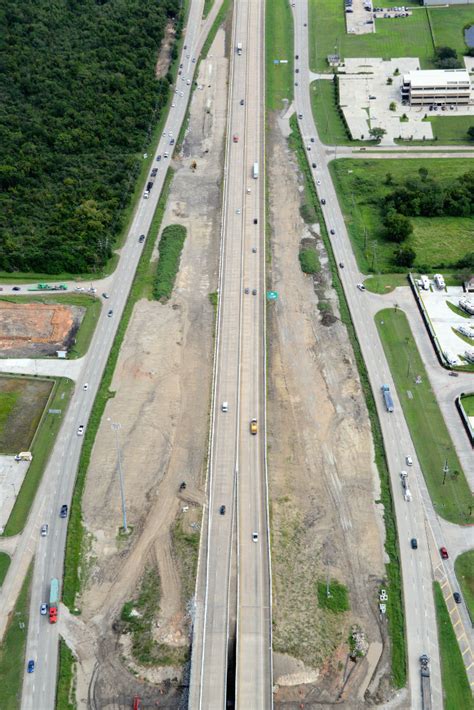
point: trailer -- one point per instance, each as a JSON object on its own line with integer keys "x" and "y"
{"x": 255, "y": 171}
{"x": 425, "y": 682}
{"x": 53, "y": 601}
{"x": 24, "y": 456}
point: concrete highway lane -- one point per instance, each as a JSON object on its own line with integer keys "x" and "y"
{"x": 417, "y": 572}
{"x": 39, "y": 688}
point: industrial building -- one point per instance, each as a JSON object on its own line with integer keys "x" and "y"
{"x": 434, "y": 87}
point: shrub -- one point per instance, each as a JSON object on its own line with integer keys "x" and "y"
{"x": 309, "y": 261}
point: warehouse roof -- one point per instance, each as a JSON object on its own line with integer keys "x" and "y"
{"x": 436, "y": 77}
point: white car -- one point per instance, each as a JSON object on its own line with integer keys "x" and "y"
{"x": 80, "y": 431}
{"x": 43, "y": 609}
{"x": 361, "y": 287}
{"x": 254, "y": 537}
{"x": 44, "y": 530}
{"x": 85, "y": 387}
{"x": 173, "y": 105}
{"x": 409, "y": 460}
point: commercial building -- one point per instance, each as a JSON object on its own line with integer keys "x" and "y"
{"x": 437, "y": 87}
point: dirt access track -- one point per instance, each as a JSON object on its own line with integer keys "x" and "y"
{"x": 37, "y": 329}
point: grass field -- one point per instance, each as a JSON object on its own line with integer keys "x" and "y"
{"x": 41, "y": 449}
{"x": 360, "y": 187}
{"x": 456, "y": 689}
{"x": 427, "y": 428}
{"x": 464, "y": 568}
{"x": 86, "y": 329}
{"x": 65, "y": 678}
{"x": 278, "y": 45}
{"x": 4, "y": 565}
{"x": 452, "y": 129}
{"x": 331, "y": 127}
{"x": 22, "y": 402}
{"x": 12, "y": 650}
{"x": 385, "y": 283}
{"x": 220, "y": 18}
{"x": 169, "y": 248}
{"x": 399, "y": 37}
{"x": 468, "y": 405}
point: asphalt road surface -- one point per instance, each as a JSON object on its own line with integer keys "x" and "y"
{"x": 58, "y": 480}
{"x": 237, "y": 458}
{"x": 416, "y": 564}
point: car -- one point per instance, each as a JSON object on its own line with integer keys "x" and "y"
{"x": 194, "y": 60}
{"x": 173, "y": 105}
{"x": 444, "y": 553}
{"x": 110, "y": 313}
{"x": 457, "y": 597}
{"x": 341, "y": 265}
{"x": 176, "y": 91}
{"x": 146, "y": 194}
{"x": 323, "y": 201}
{"x": 255, "y": 537}
{"x": 254, "y": 292}
{"x": 141, "y": 238}
{"x": 253, "y": 426}
{"x": 318, "y": 182}
{"x": 16, "y": 288}
{"x": 414, "y": 543}
{"x": 312, "y": 139}
{"x": 154, "y": 172}
{"x": 409, "y": 460}
{"x": 308, "y": 147}
{"x": 237, "y": 211}
{"x": 63, "y": 511}
{"x": 300, "y": 116}
{"x": 361, "y": 287}
{"x": 165, "y": 154}
{"x": 255, "y": 220}
{"x": 296, "y": 83}
{"x": 235, "y": 138}
{"x": 85, "y": 386}
{"x": 44, "y": 530}
{"x": 181, "y": 93}
{"x": 297, "y": 71}
{"x": 171, "y": 141}
{"x": 453, "y": 374}
{"x": 188, "y": 81}
{"x": 242, "y": 102}
{"x": 43, "y": 609}
{"x": 31, "y": 666}
{"x": 246, "y": 290}
{"x": 181, "y": 65}
{"x": 222, "y": 510}
{"x": 158, "y": 158}
{"x": 297, "y": 56}
{"x": 313, "y": 165}
{"x": 254, "y": 250}
{"x": 105, "y": 295}
{"x": 331, "y": 231}
{"x": 80, "y": 430}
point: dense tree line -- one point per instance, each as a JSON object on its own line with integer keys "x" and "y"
{"x": 78, "y": 99}
{"x": 424, "y": 196}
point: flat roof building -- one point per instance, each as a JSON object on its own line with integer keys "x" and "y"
{"x": 437, "y": 86}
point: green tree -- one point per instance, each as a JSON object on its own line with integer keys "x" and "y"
{"x": 470, "y": 132}
{"x": 377, "y": 133}
{"x": 405, "y": 256}
{"x": 397, "y": 227}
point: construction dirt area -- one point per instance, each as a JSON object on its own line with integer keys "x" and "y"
{"x": 37, "y": 329}
{"x": 162, "y": 387}
{"x": 323, "y": 483}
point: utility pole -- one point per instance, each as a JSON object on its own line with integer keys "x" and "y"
{"x": 445, "y": 471}
{"x": 116, "y": 427}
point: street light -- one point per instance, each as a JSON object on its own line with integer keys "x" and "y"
{"x": 116, "y": 427}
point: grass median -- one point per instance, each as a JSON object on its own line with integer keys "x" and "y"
{"x": 65, "y": 678}
{"x": 395, "y": 611}
{"x": 4, "y": 565}
{"x": 450, "y": 493}
{"x": 278, "y": 46}
{"x": 464, "y": 568}
{"x": 12, "y": 650}
{"x": 456, "y": 691}
{"x": 169, "y": 248}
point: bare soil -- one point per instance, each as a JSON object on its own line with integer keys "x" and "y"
{"x": 164, "y": 55}
{"x": 38, "y": 329}
{"x": 162, "y": 394}
{"x": 323, "y": 482}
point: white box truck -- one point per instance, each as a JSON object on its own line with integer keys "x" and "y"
{"x": 239, "y": 48}
{"x": 255, "y": 171}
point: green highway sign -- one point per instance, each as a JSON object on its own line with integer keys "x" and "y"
{"x": 272, "y": 295}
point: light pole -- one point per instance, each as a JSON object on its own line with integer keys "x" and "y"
{"x": 445, "y": 471}
{"x": 115, "y": 427}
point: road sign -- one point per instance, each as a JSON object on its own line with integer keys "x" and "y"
{"x": 272, "y": 295}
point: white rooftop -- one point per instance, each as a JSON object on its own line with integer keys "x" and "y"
{"x": 436, "y": 77}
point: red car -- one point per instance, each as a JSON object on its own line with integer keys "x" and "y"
{"x": 444, "y": 553}
{"x": 235, "y": 138}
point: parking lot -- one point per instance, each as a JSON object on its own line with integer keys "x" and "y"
{"x": 445, "y": 321}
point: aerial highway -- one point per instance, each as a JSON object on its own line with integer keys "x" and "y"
{"x": 58, "y": 480}
{"x": 412, "y": 522}
{"x": 237, "y": 539}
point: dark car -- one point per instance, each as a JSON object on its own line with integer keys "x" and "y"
{"x": 457, "y": 597}
{"x": 341, "y": 265}
{"x": 313, "y": 165}
{"x": 222, "y": 510}
{"x": 323, "y": 201}
{"x": 154, "y": 172}
{"x": 414, "y": 543}
{"x": 110, "y": 313}
{"x": 297, "y": 71}
{"x": 297, "y": 56}
{"x": 31, "y": 666}
{"x": 254, "y": 291}
{"x": 158, "y": 157}
{"x": 242, "y": 102}
{"x": 332, "y": 231}
{"x": 63, "y": 513}
{"x": 255, "y": 220}
{"x": 171, "y": 141}
{"x": 444, "y": 553}
{"x": 16, "y": 288}
{"x": 141, "y": 238}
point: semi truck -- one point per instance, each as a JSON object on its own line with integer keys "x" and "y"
{"x": 239, "y": 48}
{"x": 425, "y": 682}
{"x": 406, "y": 490}
{"x": 387, "y": 397}
{"x": 53, "y": 601}
{"x": 48, "y": 287}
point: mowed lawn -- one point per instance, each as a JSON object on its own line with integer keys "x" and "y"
{"x": 451, "y": 499}
{"x": 331, "y": 127}
{"x": 22, "y": 401}
{"x": 278, "y": 45}
{"x": 452, "y": 129}
{"x": 468, "y": 406}
{"x": 398, "y": 37}
{"x": 360, "y": 185}
{"x": 464, "y": 568}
